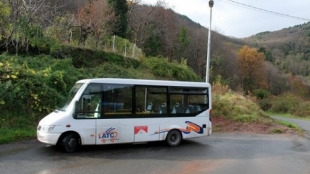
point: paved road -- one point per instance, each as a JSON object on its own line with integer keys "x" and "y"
{"x": 305, "y": 125}
{"x": 220, "y": 153}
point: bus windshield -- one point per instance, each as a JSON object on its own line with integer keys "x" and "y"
{"x": 71, "y": 95}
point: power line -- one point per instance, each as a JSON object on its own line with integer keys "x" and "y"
{"x": 262, "y": 10}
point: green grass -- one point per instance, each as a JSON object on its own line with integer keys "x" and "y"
{"x": 286, "y": 115}
{"x": 290, "y": 125}
{"x": 277, "y": 131}
{"x": 16, "y": 128}
{"x": 17, "y": 134}
{"x": 235, "y": 106}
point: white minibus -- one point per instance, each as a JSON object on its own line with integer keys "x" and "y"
{"x": 114, "y": 110}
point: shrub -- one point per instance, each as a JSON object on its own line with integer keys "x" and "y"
{"x": 234, "y": 106}
{"x": 34, "y": 84}
{"x": 265, "y": 104}
{"x": 285, "y": 103}
{"x": 303, "y": 109}
{"x": 261, "y": 94}
{"x": 162, "y": 68}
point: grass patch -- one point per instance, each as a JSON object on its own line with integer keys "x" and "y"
{"x": 277, "y": 131}
{"x": 16, "y": 127}
{"x": 290, "y": 125}
{"x": 231, "y": 105}
{"x": 13, "y": 135}
{"x": 286, "y": 115}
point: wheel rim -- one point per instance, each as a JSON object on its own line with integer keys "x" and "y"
{"x": 174, "y": 138}
{"x": 72, "y": 143}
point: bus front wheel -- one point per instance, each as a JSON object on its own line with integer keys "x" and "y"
{"x": 70, "y": 142}
{"x": 174, "y": 138}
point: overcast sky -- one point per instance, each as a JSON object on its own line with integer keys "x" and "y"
{"x": 238, "y": 18}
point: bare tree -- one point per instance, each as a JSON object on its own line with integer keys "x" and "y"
{"x": 96, "y": 19}
{"x": 28, "y": 20}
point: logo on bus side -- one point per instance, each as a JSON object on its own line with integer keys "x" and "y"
{"x": 191, "y": 127}
{"x": 140, "y": 129}
{"x": 109, "y": 135}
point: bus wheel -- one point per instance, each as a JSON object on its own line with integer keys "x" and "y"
{"x": 174, "y": 138}
{"x": 70, "y": 142}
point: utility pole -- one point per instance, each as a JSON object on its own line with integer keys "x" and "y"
{"x": 211, "y": 3}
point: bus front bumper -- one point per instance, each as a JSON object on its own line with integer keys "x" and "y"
{"x": 48, "y": 137}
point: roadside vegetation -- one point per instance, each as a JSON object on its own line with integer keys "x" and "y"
{"x": 233, "y": 112}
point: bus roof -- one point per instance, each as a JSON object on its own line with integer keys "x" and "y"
{"x": 145, "y": 82}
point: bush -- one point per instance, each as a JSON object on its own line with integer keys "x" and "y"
{"x": 285, "y": 103}
{"x": 303, "y": 109}
{"x": 162, "y": 68}
{"x": 265, "y": 104}
{"x": 261, "y": 94}
{"x": 234, "y": 106}
{"x": 34, "y": 84}
{"x": 87, "y": 58}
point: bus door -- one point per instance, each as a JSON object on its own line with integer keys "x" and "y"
{"x": 87, "y": 112}
{"x": 113, "y": 131}
{"x": 115, "y": 123}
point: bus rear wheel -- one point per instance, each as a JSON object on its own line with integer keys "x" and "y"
{"x": 70, "y": 142}
{"x": 174, "y": 138}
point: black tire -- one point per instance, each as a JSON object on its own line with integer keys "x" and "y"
{"x": 174, "y": 138}
{"x": 70, "y": 142}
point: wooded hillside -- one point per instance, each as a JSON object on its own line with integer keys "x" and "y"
{"x": 140, "y": 31}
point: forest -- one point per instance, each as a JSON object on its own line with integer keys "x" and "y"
{"x": 107, "y": 38}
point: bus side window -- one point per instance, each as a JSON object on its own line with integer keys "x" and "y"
{"x": 117, "y": 101}
{"x": 88, "y": 106}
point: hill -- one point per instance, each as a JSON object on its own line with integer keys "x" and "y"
{"x": 289, "y": 49}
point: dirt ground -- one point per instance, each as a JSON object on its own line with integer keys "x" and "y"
{"x": 221, "y": 124}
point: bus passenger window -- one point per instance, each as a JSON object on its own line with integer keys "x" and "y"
{"x": 117, "y": 101}
{"x": 188, "y": 101}
{"x": 153, "y": 100}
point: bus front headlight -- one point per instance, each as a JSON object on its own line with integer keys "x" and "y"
{"x": 47, "y": 128}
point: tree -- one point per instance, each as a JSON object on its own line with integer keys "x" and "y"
{"x": 146, "y": 28}
{"x": 276, "y": 80}
{"x": 152, "y": 45}
{"x": 267, "y": 53}
{"x": 120, "y": 9}
{"x": 183, "y": 42}
{"x": 95, "y": 19}
{"x": 252, "y": 69}
{"x": 25, "y": 25}
{"x": 5, "y": 11}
